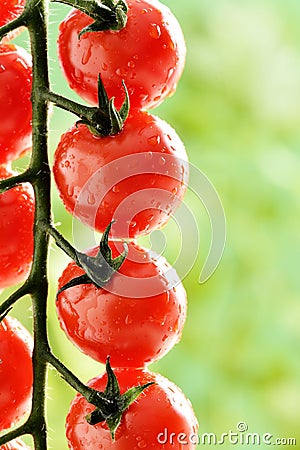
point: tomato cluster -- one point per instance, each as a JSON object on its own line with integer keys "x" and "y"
{"x": 16, "y": 205}
{"x": 121, "y": 304}
{"x": 16, "y": 377}
{"x": 137, "y": 178}
{"x": 16, "y": 224}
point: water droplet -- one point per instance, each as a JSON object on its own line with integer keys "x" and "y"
{"x": 170, "y": 73}
{"x": 121, "y": 72}
{"x": 91, "y": 199}
{"x": 116, "y": 189}
{"x": 162, "y": 161}
{"x": 128, "y": 320}
{"x": 86, "y": 55}
{"x": 174, "y": 191}
{"x": 70, "y": 190}
{"x": 131, "y": 64}
{"x": 104, "y": 66}
{"x": 67, "y": 164}
{"x": 149, "y": 155}
{"x": 142, "y": 444}
{"x": 154, "y": 140}
{"x": 154, "y": 31}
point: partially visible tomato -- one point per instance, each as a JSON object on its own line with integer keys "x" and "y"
{"x": 16, "y": 444}
{"x": 15, "y": 104}
{"x": 10, "y": 10}
{"x": 137, "y": 177}
{"x": 16, "y": 232}
{"x": 136, "y": 318}
{"x": 16, "y": 377}
{"x": 148, "y": 54}
{"x": 160, "y": 418}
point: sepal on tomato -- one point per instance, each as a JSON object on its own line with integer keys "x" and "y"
{"x": 107, "y": 119}
{"x": 111, "y": 412}
{"x": 107, "y": 14}
{"x": 100, "y": 268}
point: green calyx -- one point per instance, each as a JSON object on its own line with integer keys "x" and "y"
{"x": 100, "y": 268}
{"x": 106, "y": 120}
{"x": 107, "y": 14}
{"x": 111, "y": 404}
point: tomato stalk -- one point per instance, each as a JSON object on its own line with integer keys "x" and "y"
{"x": 107, "y": 14}
{"x": 103, "y": 120}
{"x": 39, "y": 175}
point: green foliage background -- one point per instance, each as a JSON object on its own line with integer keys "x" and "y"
{"x": 237, "y": 108}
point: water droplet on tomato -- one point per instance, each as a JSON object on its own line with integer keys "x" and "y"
{"x": 121, "y": 72}
{"x": 154, "y": 140}
{"x": 86, "y": 55}
{"x": 142, "y": 444}
{"x": 162, "y": 161}
{"x": 116, "y": 189}
{"x": 104, "y": 66}
{"x": 91, "y": 199}
{"x": 154, "y": 31}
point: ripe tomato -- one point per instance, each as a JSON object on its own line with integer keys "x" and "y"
{"x": 136, "y": 318}
{"x": 15, "y": 104}
{"x": 137, "y": 177}
{"x": 16, "y": 232}
{"x": 15, "y": 371}
{"x": 160, "y": 410}
{"x": 9, "y": 10}
{"x": 16, "y": 444}
{"x": 148, "y": 54}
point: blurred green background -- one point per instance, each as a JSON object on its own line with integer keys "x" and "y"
{"x": 237, "y": 108}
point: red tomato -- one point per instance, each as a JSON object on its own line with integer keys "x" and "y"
{"x": 15, "y": 371}
{"x": 160, "y": 410}
{"x": 136, "y": 318}
{"x": 9, "y": 10}
{"x": 16, "y": 232}
{"x": 16, "y": 444}
{"x": 15, "y": 104}
{"x": 137, "y": 177}
{"x": 148, "y": 54}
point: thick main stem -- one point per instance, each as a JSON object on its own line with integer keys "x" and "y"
{"x": 41, "y": 182}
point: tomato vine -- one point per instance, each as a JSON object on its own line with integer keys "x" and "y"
{"x": 104, "y": 119}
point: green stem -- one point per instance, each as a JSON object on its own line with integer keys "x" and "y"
{"x": 61, "y": 242}
{"x": 40, "y": 165}
{"x": 15, "y": 296}
{"x": 14, "y": 181}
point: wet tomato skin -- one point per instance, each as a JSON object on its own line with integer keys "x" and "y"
{"x": 135, "y": 319}
{"x": 15, "y": 104}
{"x": 10, "y": 10}
{"x": 148, "y": 54}
{"x": 160, "y": 410}
{"x": 137, "y": 177}
{"x": 16, "y": 346}
{"x": 16, "y": 444}
{"x": 16, "y": 232}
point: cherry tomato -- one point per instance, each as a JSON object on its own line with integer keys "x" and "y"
{"x": 9, "y": 10}
{"x": 148, "y": 54}
{"x": 16, "y": 444}
{"x": 160, "y": 410}
{"x": 136, "y": 318}
{"x": 16, "y": 232}
{"x": 137, "y": 177}
{"x": 15, "y": 104}
{"x": 15, "y": 371}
